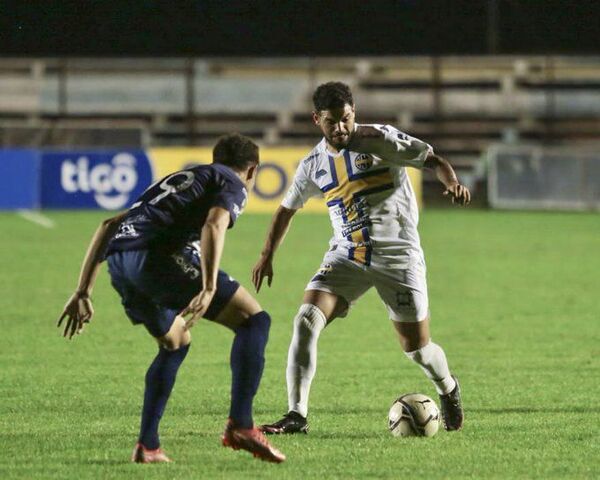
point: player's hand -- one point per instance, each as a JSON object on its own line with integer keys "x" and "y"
{"x": 262, "y": 269}
{"x": 197, "y": 307}
{"x": 460, "y": 194}
{"x": 78, "y": 311}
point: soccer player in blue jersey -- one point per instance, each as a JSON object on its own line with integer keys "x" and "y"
{"x": 167, "y": 283}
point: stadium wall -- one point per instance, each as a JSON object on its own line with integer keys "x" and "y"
{"x": 113, "y": 179}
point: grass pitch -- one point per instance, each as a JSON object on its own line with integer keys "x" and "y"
{"x": 514, "y": 301}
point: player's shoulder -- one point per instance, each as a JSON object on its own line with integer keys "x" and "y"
{"x": 314, "y": 159}
{"x": 314, "y": 155}
{"x": 223, "y": 174}
{"x": 381, "y": 129}
{"x": 199, "y": 170}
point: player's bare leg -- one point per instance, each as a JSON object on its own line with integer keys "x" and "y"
{"x": 330, "y": 304}
{"x": 416, "y": 342}
{"x": 160, "y": 379}
{"x": 317, "y": 311}
{"x": 237, "y": 311}
{"x": 245, "y": 317}
{"x": 178, "y": 336}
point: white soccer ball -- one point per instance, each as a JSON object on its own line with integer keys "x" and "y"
{"x": 414, "y": 415}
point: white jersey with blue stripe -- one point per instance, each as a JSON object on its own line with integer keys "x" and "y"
{"x": 372, "y": 205}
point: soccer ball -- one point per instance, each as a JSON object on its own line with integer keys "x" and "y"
{"x": 414, "y": 415}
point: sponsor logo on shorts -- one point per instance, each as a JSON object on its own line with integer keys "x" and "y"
{"x": 325, "y": 269}
{"x": 322, "y": 272}
{"x": 405, "y": 300}
{"x": 186, "y": 267}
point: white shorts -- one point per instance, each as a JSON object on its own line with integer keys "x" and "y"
{"x": 403, "y": 290}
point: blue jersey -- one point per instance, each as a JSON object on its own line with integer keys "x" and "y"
{"x": 172, "y": 211}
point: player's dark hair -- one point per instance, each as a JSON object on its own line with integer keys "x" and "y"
{"x": 332, "y": 95}
{"x": 236, "y": 151}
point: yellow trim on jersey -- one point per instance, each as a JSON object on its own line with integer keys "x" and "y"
{"x": 346, "y": 188}
{"x": 345, "y": 191}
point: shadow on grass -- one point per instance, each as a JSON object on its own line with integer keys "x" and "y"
{"x": 106, "y": 462}
{"x": 362, "y": 435}
{"x": 526, "y": 410}
{"x": 268, "y": 412}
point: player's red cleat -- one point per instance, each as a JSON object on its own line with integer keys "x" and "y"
{"x": 252, "y": 440}
{"x": 142, "y": 454}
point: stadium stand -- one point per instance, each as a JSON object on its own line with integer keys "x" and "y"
{"x": 460, "y": 104}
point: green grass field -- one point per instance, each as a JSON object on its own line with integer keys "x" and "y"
{"x": 514, "y": 301}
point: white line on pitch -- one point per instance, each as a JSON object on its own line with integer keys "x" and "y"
{"x": 37, "y": 218}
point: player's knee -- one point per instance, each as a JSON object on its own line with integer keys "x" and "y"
{"x": 173, "y": 344}
{"x": 260, "y": 321}
{"x": 413, "y": 335}
{"x": 176, "y": 339}
{"x": 412, "y": 343}
{"x": 309, "y": 321}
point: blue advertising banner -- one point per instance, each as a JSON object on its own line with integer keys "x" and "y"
{"x": 108, "y": 179}
{"x": 19, "y": 179}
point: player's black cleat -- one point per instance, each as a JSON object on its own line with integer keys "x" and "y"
{"x": 292, "y": 422}
{"x": 452, "y": 411}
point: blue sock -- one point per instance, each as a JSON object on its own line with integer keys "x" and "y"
{"x": 160, "y": 379}
{"x": 247, "y": 362}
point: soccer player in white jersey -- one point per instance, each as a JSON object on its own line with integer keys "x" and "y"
{"x": 360, "y": 172}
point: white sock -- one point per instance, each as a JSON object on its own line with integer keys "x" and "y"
{"x": 302, "y": 356}
{"x": 432, "y": 359}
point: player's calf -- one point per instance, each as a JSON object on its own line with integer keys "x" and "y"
{"x": 247, "y": 363}
{"x": 302, "y": 357}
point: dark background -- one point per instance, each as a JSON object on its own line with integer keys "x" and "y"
{"x": 351, "y": 27}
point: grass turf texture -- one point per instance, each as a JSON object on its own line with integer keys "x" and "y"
{"x": 514, "y": 303}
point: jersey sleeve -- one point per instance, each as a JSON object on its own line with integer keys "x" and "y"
{"x": 391, "y": 145}
{"x": 232, "y": 198}
{"x": 301, "y": 189}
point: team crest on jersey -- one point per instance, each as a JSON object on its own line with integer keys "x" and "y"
{"x": 363, "y": 161}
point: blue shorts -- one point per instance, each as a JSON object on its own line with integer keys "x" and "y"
{"x": 155, "y": 286}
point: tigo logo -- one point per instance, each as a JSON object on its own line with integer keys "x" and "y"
{"x": 90, "y": 179}
{"x": 111, "y": 183}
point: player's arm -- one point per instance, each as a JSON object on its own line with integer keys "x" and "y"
{"x": 390, "y": 144}
{"x": 403, "y": 150}
{"x": 301, "y": 189}
{"x": 212, "y": 241}
{"x": 280, "y": 225}
{"x": 78, "y": 309}
{"x": 445, "y": 174}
